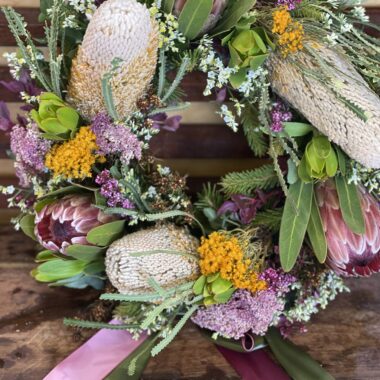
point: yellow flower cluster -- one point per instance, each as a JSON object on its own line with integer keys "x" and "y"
{"x": 74, "y": 158}
{"x": 222, "y": 253}
{"x": 290, "y": 32}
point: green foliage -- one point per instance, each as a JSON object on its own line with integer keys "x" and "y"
{"x": 234, "y": 12}
{"x": 57, "y": 120}
{"x": 85, "y": 253}
{"x": 349, "y": 203}
{"x": 168, "y": 5}
{"x": 296, "y": 362}
{"x": 174, "y": 332}
{"x": 107, "y": 89}
{"x": 248, "y": 51}
{"x": 294, "y": 222}
{"x": 95, "y": 325}
{"x": 255, "y": 137}
{"x": 193, "y": 16}
{"x": 27, "y": 226}
{"x": 264, "y": 178}
{"x": 270, "y": 218}
{"x": 319, "y": 160}
{"x": 214, "y": 289}
{"x": 316, "y": 232}
{"x": 107, "y": 233}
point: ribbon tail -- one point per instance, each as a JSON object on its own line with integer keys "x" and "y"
{"x": 96, "y": 358}
{"x": 256, "y": 365}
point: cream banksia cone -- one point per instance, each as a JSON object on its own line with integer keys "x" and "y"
{"x": 129, "y": 274}
{"x": 350, "y": 254}
{"x": 322, "y": 107}
{"x": 67, "y": 221}
{"x": 119, "y": 29}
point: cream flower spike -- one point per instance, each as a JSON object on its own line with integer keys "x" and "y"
{"x": 118, "y": 29}
{"x": 358, "y": 138}
{"x": 130, "y": 274}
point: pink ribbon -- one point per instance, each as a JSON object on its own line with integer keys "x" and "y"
{"x": 256, "y": 365}
{"x": 96, "y": 358}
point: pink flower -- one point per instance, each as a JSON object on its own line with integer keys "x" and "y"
{"x": 350, "y": 254}
{"x": 67, "y": 221}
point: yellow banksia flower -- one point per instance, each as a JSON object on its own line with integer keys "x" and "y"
{"x": 223, "y": 254}
{"x": 74, "y": 158}
{"x": 290, "y": 32}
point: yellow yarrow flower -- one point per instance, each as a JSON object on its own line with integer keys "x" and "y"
{"x": 290, "y": 32}
{"x": 223, "y": 254}
{"x": 74, "y": 158}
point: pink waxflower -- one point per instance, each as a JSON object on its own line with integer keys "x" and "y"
{"x": 350, "y": 254}
{"x": 67, "y": 221}
{"x": 217, "y": 9}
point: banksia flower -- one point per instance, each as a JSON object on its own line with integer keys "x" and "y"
{"x": 350, "y": 254}
{"x": 67, "y": 221}
{"x": 130, "y": 274}
{"x": 324, "y": 108}
{"x": 120, "y": 29}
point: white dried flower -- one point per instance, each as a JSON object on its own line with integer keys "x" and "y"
{"x": 123, "y": 30}
{"x": 130, "y": 274}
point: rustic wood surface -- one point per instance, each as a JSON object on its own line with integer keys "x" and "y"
{"x": 345, "y": 337}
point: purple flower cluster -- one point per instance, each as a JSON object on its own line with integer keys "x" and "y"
{"x": 29, "y": 150}
{"x": 115, "y": 139}
{"x": 279, "y": 114}
{"x": 290, "y": 4}
{"x": 111, "y": 191}
{"x": 245, "y": 312}
{"x": 278, "y": 281}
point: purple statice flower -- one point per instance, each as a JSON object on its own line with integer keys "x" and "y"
{"x": 279, "y": 114}
{"x": 243, "y": 313}
{"x": 162, "y": 121}
{"x": 29, "y": 149}
{"x": 290, "y": 4}
{"x": 277, "y": 280}
{"x": 115, "y": 139}
{"x": 109, "y": 189}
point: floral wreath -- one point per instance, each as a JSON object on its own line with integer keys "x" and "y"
{"x": 252, "y": 258}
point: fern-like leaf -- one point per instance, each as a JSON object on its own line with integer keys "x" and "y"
{"x": 264, "y": 178}
{"x": 96, "y": 325}
{"x": 269, "y": 218}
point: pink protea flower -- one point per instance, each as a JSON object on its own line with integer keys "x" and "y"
{"x": 350, "y": 254}
{"x": 67, "y": 221}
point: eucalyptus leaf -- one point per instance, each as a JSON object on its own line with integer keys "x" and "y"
{"x": 63, "y": 191}
{"x": 294, "y": 222}
{"x": 27, "y": 226}
{"x": 292, "y": 175}
{"x": 349, "y": 203}
{"x": 107, "y": 233}
{"x": 193, "y": 16}
{"x": 316, "y": 232}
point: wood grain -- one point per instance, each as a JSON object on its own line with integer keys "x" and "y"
{"x": 345, "y": 338}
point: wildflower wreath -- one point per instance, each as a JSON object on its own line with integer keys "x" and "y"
{"x": 252, "y": 258}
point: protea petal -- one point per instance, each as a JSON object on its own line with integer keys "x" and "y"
{"x": 350, "y": 254}
{"x": 67, "y": 221}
